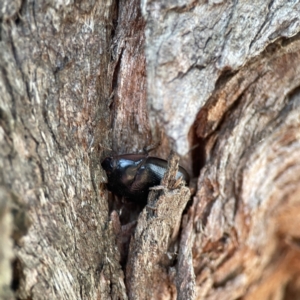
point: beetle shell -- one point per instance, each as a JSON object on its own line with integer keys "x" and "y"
{"x": 132, "y": 175}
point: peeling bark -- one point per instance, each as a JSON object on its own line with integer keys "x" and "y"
{"x": 153, "y": 247}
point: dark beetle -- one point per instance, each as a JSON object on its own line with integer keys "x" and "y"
{"x": 131, "y": 175}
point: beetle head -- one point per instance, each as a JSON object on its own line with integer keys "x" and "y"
{"x": 108, "y": 164}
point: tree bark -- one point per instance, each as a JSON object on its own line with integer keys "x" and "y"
{"x": 55, "y": 123}
{"x": 80, "y": 80}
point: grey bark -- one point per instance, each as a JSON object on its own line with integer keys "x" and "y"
{"x": 76, "y": 84}
{"x": 190, "y": 46}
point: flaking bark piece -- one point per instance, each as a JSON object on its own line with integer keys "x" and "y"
{"x": 158, "y": 226}
{"x": 185, "y": 275}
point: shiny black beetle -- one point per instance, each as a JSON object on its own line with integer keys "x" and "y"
{"x": 131, "y": 175}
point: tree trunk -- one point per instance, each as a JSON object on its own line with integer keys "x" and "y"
{"x": 81, "y": 80}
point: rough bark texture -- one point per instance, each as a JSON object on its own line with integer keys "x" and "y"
{"x": 247, "y": 207}
{"x": 74, "y": 84}
{"x": 191, "y": 46}
{"x": 55, "y": 96}
{"x": 154, "y": 245}
{"x": 237, "y": 61}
